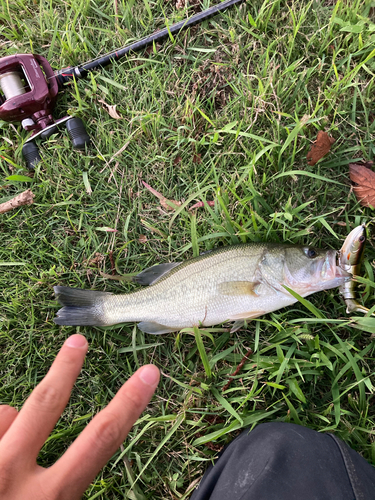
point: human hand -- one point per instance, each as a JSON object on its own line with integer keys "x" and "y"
{"x": 23, "y": 434}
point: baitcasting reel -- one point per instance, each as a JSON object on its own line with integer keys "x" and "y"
{"x": 29, "y": 92}
{"x": 29, "y": 86}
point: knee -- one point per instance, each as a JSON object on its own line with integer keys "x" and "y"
{"x": 278, "y": 437}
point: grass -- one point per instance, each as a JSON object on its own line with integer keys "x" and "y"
{"x": 227, "y": 112}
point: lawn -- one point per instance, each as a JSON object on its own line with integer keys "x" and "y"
{"x": 224, "y": 112}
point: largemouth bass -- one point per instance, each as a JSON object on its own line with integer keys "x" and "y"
{"x": 350, "y": 260}
{"x": 233, "y": 283}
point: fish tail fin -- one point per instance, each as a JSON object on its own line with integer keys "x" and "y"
{"x": 80, "y": 307}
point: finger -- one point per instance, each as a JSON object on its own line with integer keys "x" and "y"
{"x": 44, "y": 406}
{"x": 7, "y": 417}
{"x": 108, "y": 429}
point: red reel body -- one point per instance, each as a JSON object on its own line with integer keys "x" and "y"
{"x": 29, "y": 89}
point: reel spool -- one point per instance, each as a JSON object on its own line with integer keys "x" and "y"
{"x": 11, "y": 85}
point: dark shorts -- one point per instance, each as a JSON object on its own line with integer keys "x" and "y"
{"x": 279, "y": 461}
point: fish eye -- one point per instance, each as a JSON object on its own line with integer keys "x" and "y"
{"x": 361, "y": 238}
{"x": 310, "y": 253}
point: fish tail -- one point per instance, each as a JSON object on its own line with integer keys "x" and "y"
{"x": 81, "y": 307}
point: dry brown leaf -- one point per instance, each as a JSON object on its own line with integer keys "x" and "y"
{"x": 363, "y": 178}
{"x": 201, "y": 204}
{"x": 164, "y": 202}
{"x": 320, "y": 147}
{"x": 142, "y": 238}
{"x": 96, "y": 260}
{"x": 167, "y": 204}
{"x": 111, "y": 110}
{"x": 106, "y": 229}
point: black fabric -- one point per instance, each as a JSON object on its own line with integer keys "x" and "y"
{"x": 280, "y": 461}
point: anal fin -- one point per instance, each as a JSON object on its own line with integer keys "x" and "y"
{"x": 155, "y": 328}
{"x": 246, "y": 315}
{"x": 237, "y": 325}
{"x": 239, "y": 319}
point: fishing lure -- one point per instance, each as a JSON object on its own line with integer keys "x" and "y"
{"x": 350, "y": 260}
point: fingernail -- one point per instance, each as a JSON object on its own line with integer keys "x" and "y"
{"x": 76, "y": 341}
{"x": 149, "y": 375}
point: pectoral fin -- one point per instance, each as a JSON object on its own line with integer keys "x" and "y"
{"x": 238, "y": 288}
{"x": 155, "y": 328}
{"x": 153, "y": 274}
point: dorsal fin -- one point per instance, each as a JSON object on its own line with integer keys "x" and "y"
{"x": 153, "y": 274}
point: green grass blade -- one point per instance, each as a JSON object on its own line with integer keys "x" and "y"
{"x": 202, "y": 352}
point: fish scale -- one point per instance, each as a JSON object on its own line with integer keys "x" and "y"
{"x": 234, "y": 283}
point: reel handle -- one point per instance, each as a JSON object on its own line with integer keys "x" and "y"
{"x": 77, "y": 133}
{"x": 30, "y": 152}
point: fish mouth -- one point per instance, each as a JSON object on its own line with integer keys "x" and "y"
{"x": 328, "y": 274}
{"x": 323, "y": 274}
{"x": 331, "y": 269}
{"x": 340, "y": 272}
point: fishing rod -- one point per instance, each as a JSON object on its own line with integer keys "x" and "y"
{"x": 29, "y": 86}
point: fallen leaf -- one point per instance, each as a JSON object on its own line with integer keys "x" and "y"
{"x": 201, "y": 204}
{"x": 96, "y": 260}
{"x": 320, "y": 147}
{"x": 164, "y": 202}
{"x": 111, "y": 110}
{"x": 177, "y": 160}
{"x": 363, "y": 178}
{"x": 142, "y": 238}
{"x": 106, "y": 229}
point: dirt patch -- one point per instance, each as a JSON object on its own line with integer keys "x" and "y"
{"x": 194, "y": 5}
{"x": 213, "y": 76}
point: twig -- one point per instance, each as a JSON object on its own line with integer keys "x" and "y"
{"x": 115, "y": 5}
{"x": 113, "y": 266}
{"x": 201, "y": 204}
{"x": 112, "y": 244}
{"x": 121, "y": 150}
{"x": 25, "y": 198}
{"x": 238, "y": 369}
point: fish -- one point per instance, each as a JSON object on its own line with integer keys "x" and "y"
{"x": 229, "y": 284}
{"x": 350, "y": 259}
